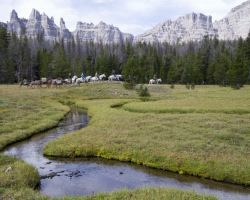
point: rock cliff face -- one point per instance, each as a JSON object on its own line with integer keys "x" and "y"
{"x": 42, "y": 24}
{"x": 235, "y": 24}
{"x": 38, "y": 24}
{"x": 64, "y": 32}
{"x": 16, "y": 25}
{"x": 189, "y": 27}
{"x": 195, "y": 26}
{"x": 101, "y": 32}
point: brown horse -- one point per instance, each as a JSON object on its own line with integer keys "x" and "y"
{"x": 38, "y": 83}
{"x": 24, "y": 82}
{"x": 58, "y": 81}
{"x": 49, "y": 83}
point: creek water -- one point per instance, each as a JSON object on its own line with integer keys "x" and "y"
{"x": 85, "y": 176}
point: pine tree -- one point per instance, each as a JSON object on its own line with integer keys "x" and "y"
{"x": 247, "y": 56}
{"x": 173, "y": 74}
{"x": 62, "y": 65}
{"x": 4, "y": 42}
{"x": 221, "y": 67}
{"x": 165, "y": 68}
{"x": 14, "y": 59}
{"x": 130, "y": 70}
{"x": 185, "y": 78}
{"x": 210, "y": 73}
{"x": 238, "y": 73}
{"x": 204, "y": 56}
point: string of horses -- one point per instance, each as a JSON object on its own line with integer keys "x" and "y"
{"x": 76, "y": 81}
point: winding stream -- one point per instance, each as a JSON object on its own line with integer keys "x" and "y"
{"x": 86, "y": 176}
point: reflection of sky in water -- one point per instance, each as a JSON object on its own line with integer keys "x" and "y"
{"x": 100, "y": 175}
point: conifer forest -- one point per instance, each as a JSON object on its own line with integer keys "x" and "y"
{"x": 210, "y": 61}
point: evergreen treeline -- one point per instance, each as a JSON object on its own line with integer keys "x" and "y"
{"x": 209, "y": 61}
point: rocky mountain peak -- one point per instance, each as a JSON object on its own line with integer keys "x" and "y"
{"x": 35, "y": 15}
{"x": 198, "y": 17}
{"x": 189, "y": 27}
{"x": 81, "y": 25}
{"x": 195, "y": 26}
{"x": 13, "y": 16}
{"x": 44, "y": 17}
{"x": 62, "y": 23}
{"x": 101, "y": 32}
{"x": 235, "y": 9}
{"x": 236, "y": 24}
{"x": 102, "y": 25}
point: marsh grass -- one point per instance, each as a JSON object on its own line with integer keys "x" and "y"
{"x": 20, "y": 182}
{"x": 209, "y": 144}
{"x": 21, "y": 175}
{"x": 148, "y": 194}
{"x": 212, "y": 143}
{"x": 154, "y": 193}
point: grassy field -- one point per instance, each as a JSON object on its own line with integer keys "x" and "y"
{"x": 24, "y": 112}
{"x": 202, "y": 132}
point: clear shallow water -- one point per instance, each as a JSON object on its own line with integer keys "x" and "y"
{"x": 85, "y": 176}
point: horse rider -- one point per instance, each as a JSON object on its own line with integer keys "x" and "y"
{"x": 155, "y": 79}
{"x": 96, "y": 75}
{"x": 69, "y": 77}
{"x": 82, "y": 75}
{"x": 114, "y": 73}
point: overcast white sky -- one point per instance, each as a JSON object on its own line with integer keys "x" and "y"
{"x": 130, "y": 16}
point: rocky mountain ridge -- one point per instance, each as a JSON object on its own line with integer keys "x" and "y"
{"x": 42, "y": 24}
{"x": 193, "y": 26}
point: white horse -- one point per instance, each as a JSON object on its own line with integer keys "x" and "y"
{"x": 112, "y": 77}
{"x": 99, "y": 78}
{"x": 68, "y": 81}
{"x": 78, "y": 80}
{"x": 103, "y": 76}
{"x": 74, "y": 79}
{"x": 88, "y": 78}
{"x": 118, "y": 77}
{"x": 157, "y": 81}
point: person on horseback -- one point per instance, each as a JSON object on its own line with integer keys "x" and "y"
{"x": 82, "y": 75}
{"x": 69, "y": 77}
{"x": 155, "y": 79}
{"x": 114, "y": 73}
{"x": 25, "y": 81}
{"x": 96, "y": 75}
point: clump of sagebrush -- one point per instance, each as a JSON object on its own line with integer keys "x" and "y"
{"x": 129, "y": 85}
{"x": 192, "y": 86}
{"x": 188, "y": 86}
{"x": 143, "y": 92}
{"x": 172, "y": 86}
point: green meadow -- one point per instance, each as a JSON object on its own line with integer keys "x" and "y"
{"x": 202, "y": 132}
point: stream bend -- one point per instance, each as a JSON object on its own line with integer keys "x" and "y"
{"x": 85, "y": 176}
